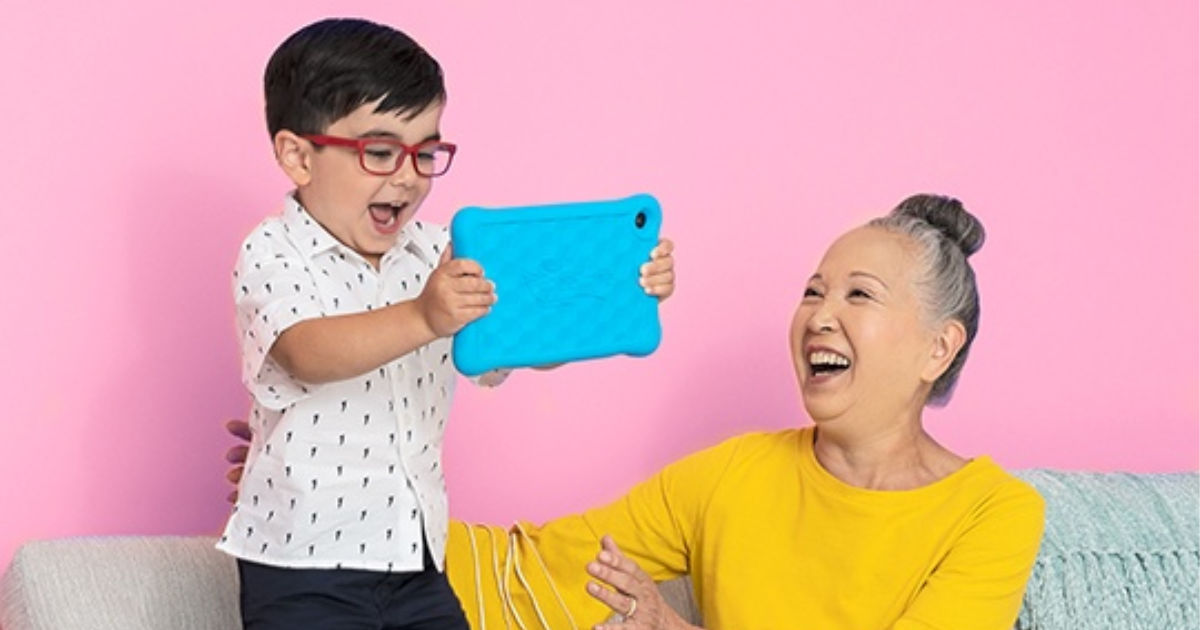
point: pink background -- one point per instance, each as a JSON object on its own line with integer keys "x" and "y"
{"x": 135, "y": 158}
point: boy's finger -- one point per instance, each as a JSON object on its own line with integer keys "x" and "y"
{"x": 463, "y": 267}
{"x": 472, "y": 313}
{"x": 664, "y": 248}
{"x": 657, "y": 266}
{"x": 446, "y": 255}
{"x": 473, "y": 300}
{"x": 473, "y": 285}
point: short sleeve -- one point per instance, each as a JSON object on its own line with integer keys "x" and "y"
{"x": 273, "y": 291}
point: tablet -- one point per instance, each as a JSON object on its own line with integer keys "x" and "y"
{"x": 566, "y": 282}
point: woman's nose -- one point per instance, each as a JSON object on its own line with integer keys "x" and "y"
{"x": 822, "y": 319}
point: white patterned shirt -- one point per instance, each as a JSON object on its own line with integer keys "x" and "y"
{"x": 344, "y": 474}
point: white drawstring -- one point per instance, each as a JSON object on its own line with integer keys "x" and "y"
{"x": 546, "y": 571}
{"x": 478, "y": 585}
{"x": 496, "y": 575}
{"x": 511, "y": 565}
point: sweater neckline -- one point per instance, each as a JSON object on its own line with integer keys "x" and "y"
{"x": 812, "y": 469}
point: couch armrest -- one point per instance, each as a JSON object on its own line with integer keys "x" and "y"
{"x": 120, "y": 583}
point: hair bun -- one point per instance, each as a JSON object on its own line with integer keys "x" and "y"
{"x": 948, "y": 216}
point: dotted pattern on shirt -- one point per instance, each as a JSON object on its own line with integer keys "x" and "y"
{"x": 343, "y": 474}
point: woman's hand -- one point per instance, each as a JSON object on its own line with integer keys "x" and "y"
{"x": 632, "y": 594}
{"x": 236, "y": 455}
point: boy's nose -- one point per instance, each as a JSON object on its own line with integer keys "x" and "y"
{"x": 407, "y": 174}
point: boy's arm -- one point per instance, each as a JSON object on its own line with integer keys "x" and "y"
{"x": 343, "y": 346}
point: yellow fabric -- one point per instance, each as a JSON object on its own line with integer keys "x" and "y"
{"x": 772, "y": 540}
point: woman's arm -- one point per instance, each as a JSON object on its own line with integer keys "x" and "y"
{"x": 981, "y": 582}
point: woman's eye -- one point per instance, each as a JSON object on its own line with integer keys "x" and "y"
{"x": 859, "y": 293}
{"x": 811, "y": 292}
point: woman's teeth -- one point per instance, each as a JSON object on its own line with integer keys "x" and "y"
{"x": 823, "y": 361}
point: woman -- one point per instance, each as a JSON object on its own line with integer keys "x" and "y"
{"x": 862, "y": 521}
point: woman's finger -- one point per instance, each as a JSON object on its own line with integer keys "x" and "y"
{"x": 612, "y": 576}
{"x": 618, "y": 602}
{"x": 239, "y": 428}
{"x": 617, "y": 559}
{"x": 237, "y": 454}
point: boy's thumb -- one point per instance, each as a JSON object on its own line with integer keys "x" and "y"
{"x": 447, "y": 255}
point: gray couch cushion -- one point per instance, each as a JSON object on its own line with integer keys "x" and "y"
{"x": 120, "y": 584}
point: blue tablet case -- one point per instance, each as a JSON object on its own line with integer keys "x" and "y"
{"x": 566, "y": 281}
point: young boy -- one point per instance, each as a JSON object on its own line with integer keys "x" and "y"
{"x": 345, "y": 307}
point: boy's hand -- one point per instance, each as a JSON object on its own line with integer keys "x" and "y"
{"x": 455, "y": 295}
{"x": 658, "y": 275}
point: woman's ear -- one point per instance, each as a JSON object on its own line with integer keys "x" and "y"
{"x": 294, "y": 155}
{"x": 947, "y": 342}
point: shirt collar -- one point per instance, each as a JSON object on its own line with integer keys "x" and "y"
{"x": 312, "y": 239}
{"x": 309, "y": 236}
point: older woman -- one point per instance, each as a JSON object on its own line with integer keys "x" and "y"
{"x": 860, "y": 522}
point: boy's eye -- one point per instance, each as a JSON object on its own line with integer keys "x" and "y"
{"x": 379, "y": 153}
{"x": 426, "y": 156}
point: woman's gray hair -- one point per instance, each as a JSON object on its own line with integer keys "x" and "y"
{"x": 945, "y": 235}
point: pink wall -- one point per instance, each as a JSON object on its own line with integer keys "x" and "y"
{"x": 135, "y": 157}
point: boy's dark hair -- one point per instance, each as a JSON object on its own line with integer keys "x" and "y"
{"x": 329, "y": 68}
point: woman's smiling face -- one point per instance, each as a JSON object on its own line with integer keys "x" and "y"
{"x": 860, "y": 340}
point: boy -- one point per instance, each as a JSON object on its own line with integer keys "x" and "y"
{"x": 346, "y": 306}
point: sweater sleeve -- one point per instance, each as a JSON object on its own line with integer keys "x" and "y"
{"x": 981, "y": 581}
{"x": 656, "y": 524}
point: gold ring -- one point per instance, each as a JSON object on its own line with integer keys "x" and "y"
{"x": 632, "y": 607}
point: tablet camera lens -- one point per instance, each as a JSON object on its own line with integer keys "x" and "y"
{"x": 640, "y": 219}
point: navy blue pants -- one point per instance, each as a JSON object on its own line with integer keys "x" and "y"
{"x": 281, "y": 598}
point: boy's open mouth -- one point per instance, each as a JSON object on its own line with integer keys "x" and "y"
{"x": 387, "y": 216}
{"x": 826, "y": 363}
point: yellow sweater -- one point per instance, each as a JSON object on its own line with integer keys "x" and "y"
{"x": 773, "y": 541}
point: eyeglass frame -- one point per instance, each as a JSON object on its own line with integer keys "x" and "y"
{"x": 406, "y": 151}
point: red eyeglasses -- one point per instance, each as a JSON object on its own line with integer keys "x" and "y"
{"x": 384, "y": 156}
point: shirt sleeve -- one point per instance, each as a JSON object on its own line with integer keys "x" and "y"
{"x": 981, "y": 582}
{"x": 657, "y": 524}
{"x": 272, "y": 292}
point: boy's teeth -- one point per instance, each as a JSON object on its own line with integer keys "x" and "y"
{"x": 382, "y": 212}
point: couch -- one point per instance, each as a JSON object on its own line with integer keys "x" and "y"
{"x": 1121, "y": 551}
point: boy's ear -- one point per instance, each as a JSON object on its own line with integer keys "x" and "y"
{"x": 294, "y": 155}
{"x": 948, "y": 340}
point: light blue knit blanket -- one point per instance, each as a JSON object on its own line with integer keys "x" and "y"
{"x": 1121, "y": 552}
